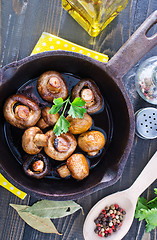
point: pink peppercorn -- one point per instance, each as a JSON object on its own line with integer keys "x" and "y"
{"x": 113, "y": 215}
{"x": 103, "y": 211}
{"x": 100, "y": 235}
{"x": 116, "y": 206}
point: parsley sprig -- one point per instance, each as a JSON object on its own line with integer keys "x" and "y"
{"x": 147, "y": 211}
{"x": 76, "y": 110}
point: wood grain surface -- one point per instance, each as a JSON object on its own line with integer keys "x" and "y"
{"x": 21, "y": 23}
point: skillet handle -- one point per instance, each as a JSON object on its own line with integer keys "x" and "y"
{"x": 134, "y": 49}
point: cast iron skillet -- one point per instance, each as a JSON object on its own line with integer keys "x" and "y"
{"x": 108, "y": 78}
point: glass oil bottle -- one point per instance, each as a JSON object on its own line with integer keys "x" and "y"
{"x": 94, "y": 15}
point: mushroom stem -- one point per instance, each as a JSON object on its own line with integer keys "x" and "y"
{"x": 22, "y": 112}
{"x": 63, "y": 171}
{"x": 40, "y": 140}
{"x": 54, "y": 84}
{"x": 42, "y": 124}
{"x": 93, "y": 153}
{"x": 38, "y": 166}
{"x": 87, "y": 95}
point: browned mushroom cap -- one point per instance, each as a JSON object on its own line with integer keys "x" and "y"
{"x": 52, "y": 85}
{"x": 36, "y": 166}
{"x": 60, "y": 148}
{"x": 21, "y": 111}
{"x": 89, "y": 92}
{"x": 78, "y": 166}
{"x": 33, "y": 140}
{"x": 91, "y": 142}
{"x": 79, "y": 125}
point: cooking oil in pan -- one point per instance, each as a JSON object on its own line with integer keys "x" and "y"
{"x": 94, "y": 15}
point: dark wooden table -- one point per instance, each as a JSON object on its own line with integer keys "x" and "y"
{"x": 22, "y": 22}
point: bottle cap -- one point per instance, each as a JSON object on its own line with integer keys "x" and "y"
{"x": 146, "y": 123}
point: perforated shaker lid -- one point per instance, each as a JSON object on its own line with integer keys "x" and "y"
{"x": 146, "y": 123}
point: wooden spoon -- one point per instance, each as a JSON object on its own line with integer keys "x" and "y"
{"x": 126, "y": 199}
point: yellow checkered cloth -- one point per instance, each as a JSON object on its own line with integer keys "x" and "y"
{"x": 49, "y": 42}
{"x": 6, "y": 184}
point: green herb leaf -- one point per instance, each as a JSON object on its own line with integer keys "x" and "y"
{"x": 141, "y": 204}
{"x": 53, "y": 209}
{"x": 75, "y": 111}
{"x": 58, "y": 103}
{"x": 147, "y": 211}
{"x": 78, "y": 102}
{"x": 155, "y": 190}
{"x": 150, "y": 217}
{"x": 38, "y": 223}
{"x": 76, "y": 108}
{"x": 153, "y": 203}
{"x": 61, "y": 126}
{"x": 149, "y": 227}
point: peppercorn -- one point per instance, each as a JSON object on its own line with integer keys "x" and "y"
{"x": 103, "y": 234}
{"x": 123, "y": 212}
{"x": 111, "y": 211}
{"x": 110, "y": 230}
{"x": 96, "y": 221}
{"x": 121, "y": 218}
{"x": 110, "y": 224}
{"x": 109, "y": 220}
{"x": 116, "y": 206}
{"x": 112, "y": 207}
{"x": 96, "y": 230}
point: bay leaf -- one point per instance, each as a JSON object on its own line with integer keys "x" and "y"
{"x": 41, "y": 224}
{"x": 53, "y": 209}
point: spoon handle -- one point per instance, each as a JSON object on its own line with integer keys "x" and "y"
{"x": 146, "y": 178}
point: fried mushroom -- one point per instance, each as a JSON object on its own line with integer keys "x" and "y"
{"x": 47, "y": 118}
{"x": 21, "y": 111}
{"x": 79, "y": 125}
{"x": 33, "y": 140}
{"x": 61, "y": 147}
{"x": 42, "y": 124}
{"x": 78, "y": 166}
{"x": 52, "y": 85}
{"x": 91, "y": 142}
{"x": 89, "y": 92}
{"x": 36, "y": 166}
{"x": 63, "y": 171}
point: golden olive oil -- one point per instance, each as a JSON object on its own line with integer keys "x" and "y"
{"x": 94, "y": 15}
